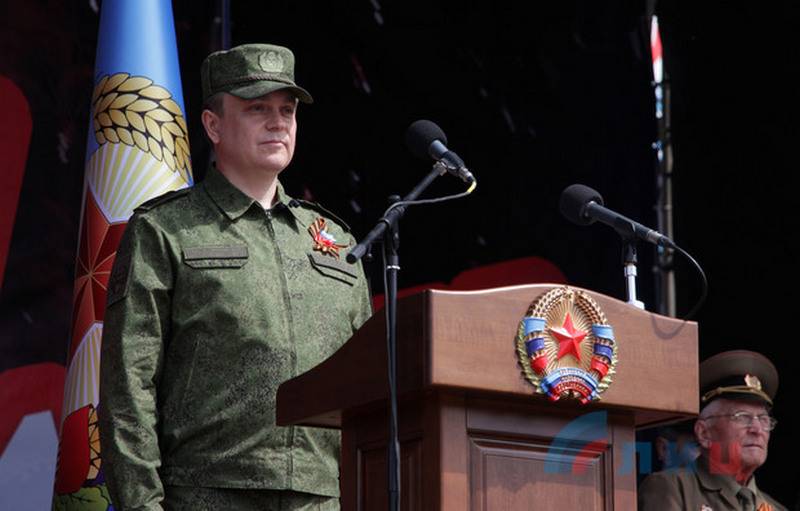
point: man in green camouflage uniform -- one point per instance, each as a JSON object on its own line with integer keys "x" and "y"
{"x": 219, "y": 293}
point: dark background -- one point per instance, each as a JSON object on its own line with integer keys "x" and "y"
{"x": 533, "y": 95}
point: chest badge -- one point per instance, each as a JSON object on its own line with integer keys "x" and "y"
{"x": 566, "y": 347}
{"x": 323, "y": 240}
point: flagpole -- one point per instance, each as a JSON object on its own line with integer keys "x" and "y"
{"x": 664, "y": 269}
{"x": 225, "y": 17}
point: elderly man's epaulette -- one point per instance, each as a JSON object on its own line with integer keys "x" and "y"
{"x": 320, "y": 209}
{"x": 161, "y": 199}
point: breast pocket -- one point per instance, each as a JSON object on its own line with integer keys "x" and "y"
{"x": 334, "y": 268}
{"x": 215, "y": 256}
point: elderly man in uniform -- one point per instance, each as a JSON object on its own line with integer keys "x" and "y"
{"x": 733, "y": 431}
{"x": 218, "y": 294}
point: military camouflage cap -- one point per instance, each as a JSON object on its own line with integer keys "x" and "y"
{"x": 739, "y": 375}
{"x": 250, "y": 71}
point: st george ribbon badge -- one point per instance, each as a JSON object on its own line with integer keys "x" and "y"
{"x": 566, "y": 347}
{"x": 324, "y": 241}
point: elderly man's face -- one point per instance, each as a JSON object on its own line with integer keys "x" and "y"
{"x": 750, "y": 441}
{"x": 255, "y": 135}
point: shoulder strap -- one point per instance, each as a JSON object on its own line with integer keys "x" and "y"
{"x": 161, "y": 199}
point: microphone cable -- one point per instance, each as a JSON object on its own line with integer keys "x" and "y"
{"x": 704, "y": 291}
{"x": 434, "y": 200}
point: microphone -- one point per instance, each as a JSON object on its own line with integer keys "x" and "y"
{"x": 583, "y": 206}
{"x": 426, "y": 139}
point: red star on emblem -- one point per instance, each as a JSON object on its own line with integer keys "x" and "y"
{"x": 569, "y": 338}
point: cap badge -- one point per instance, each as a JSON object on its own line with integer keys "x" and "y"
{"x": 324, "y": 241}
{"x": 271, "y": 62}
{"x": 566, "y": 347}
{"x": 752, "y": 381}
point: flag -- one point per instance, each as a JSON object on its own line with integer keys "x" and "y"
{"x": 657, "y": 52}
{"x": 137, "y": 148}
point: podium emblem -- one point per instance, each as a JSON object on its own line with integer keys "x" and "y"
{"x": 566, "y": 347}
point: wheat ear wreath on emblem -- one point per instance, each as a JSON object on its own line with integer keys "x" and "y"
{"x": 134, "y": 111}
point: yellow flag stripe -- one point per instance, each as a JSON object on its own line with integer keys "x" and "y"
{"x": 83, "y": 376}
{"x": 121, "y": 177}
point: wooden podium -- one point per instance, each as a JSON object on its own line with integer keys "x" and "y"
{"x": 473, "y": 434}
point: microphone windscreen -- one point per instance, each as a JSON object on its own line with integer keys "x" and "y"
{"x": 573, "y": 201}
{"x": 421, "y": 134}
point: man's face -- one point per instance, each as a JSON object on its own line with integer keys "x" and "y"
{"x": 255, "y": 135}
{"x": 751, "y": 441}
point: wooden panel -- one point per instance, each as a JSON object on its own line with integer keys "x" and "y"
{"x": 515, "y": 417}
{"x": 372, "y": 477}
{"x": 522, "y": 475}
{"x": 453, "y": 481}
{"x": 472, "y": 348}
{"x": 624, "y": 473}
{"x": 364, "y": 454}
{"x": 373, "y": 489}
{"x": 546, "y": 432}
{"x": 482, "y": 453}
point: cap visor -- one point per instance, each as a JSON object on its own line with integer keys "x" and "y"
{"x": 748, "y": 397}
{"x": 257, "y": 89}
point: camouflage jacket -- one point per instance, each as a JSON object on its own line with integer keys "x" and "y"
{"x": 213, "y": 302}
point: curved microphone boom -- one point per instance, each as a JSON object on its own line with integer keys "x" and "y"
{"x": 583, "y": 205}
{"x": 425, "y": 139}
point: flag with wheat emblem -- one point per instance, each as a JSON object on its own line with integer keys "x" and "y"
{"x": 137, "y": 148}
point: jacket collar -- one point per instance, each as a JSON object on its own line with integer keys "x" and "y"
{"x": 724, "y": 484}
{"x": 234, "y": 202}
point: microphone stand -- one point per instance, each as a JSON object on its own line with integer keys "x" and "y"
{"x": 629, "y": 260}
{"x": 388, "y": 228}
{"x": 391, "y": 262}
{"x": 627, "y": 232}
{"x": 393, "y": 216}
